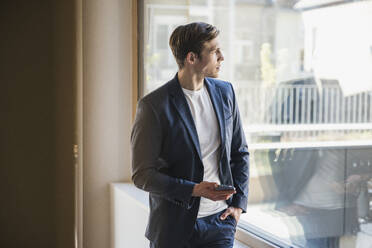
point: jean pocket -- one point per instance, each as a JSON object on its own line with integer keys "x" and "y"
{"x": 232, "y": 219}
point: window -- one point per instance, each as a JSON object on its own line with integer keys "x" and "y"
{"x": 302, "y": 74}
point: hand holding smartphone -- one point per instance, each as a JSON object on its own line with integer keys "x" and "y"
{"x": 225, "y": 188}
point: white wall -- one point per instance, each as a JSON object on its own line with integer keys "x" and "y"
{"x": 107, "y": 110}
{"x": 129, "y": 213}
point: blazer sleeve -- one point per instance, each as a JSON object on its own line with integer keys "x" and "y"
{"x": 146, "y": 143}
{"x": 239, "y": 160}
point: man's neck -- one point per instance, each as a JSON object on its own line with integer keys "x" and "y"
{"x": 189, "y": 80}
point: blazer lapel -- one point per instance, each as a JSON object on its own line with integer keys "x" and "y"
{"x": 183, "y": 109}
{"x": 216, "y": 99}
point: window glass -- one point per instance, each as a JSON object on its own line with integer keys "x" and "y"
{"x": 301, "y": 70}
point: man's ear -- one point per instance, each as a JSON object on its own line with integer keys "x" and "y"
{"x": 191, "y": 58}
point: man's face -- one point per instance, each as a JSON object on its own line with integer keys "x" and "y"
{"x": 209, "y": 62}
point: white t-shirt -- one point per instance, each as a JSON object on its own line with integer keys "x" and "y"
{"x": 319, "y": 191}
{"x": 209, "y": 139}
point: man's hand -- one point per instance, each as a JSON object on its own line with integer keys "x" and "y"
{"x": 208, "y": 190}
{"x": 235, "y": 212}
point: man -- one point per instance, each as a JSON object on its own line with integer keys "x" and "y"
{"x": 186, "y": 140}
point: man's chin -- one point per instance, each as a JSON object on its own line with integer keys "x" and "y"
{"x": 214, "y": 75}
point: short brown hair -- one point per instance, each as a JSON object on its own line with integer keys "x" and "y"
{"x": 191, "y": 38}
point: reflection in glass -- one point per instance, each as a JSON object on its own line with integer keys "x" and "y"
{"x": 322, "y": 190}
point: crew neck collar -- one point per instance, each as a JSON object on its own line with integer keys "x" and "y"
{"x": 194, "y": 92}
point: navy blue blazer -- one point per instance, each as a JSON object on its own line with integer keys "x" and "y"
{"x": 166, "y": 157}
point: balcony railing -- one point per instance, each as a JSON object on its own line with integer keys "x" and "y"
{"x": 303, "y": 105}
{"x": 303, "y": 110}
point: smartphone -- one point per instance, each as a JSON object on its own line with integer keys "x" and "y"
{"x": 225, "y": 188}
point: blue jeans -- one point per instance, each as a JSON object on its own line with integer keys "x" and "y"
{"x": 211, "y": 232}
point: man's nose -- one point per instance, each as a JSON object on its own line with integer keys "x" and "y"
{"x": 221, "y": 58}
